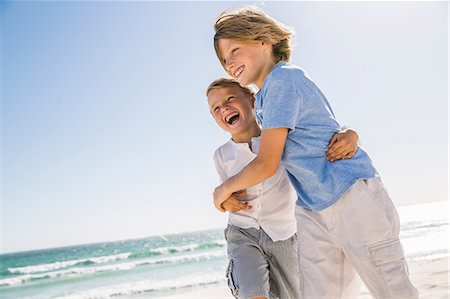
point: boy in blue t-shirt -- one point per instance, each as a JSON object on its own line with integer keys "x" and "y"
{"x": 346, "y": 221}
{"x": 261, "y": 232}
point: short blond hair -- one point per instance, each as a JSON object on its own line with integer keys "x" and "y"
{"x": 248, "y": 24}
{"x": 227, "y": 82}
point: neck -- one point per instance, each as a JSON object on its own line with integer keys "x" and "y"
{"x": 247, "y": 135}
{"x": 266, "y": 70}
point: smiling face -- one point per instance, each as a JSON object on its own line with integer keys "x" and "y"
{"x": 247, "y": 62}
{"x": 232, "y": 110}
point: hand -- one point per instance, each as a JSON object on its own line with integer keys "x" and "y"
{"x": 220, "y": 195}
{"x": 234, "y": 204}
{"x": 342, "y": 145}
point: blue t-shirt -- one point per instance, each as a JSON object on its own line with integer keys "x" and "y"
{"x": 289, "y": 99}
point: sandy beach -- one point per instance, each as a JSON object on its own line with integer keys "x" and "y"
{"x": 430, "y": 277}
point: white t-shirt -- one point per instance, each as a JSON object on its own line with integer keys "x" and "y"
{"x": 273, "y": 200}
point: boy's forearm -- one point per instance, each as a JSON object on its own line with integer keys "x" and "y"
{"x": 254, "y": 173}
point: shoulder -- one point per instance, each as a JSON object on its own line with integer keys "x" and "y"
{"x": 287, "y": 72}
{"x": 223, "y": 151}
{"x": 286, "y": 76}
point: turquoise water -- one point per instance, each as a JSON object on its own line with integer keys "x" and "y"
{"x": 155, "y": 266}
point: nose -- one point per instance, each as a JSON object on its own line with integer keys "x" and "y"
{"x": 229, "y": 64}
{"x": 225, "y": 108}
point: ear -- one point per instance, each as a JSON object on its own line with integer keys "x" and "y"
{"x": 266, "y": 45}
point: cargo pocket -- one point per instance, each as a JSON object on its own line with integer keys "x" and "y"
{"x": 387, "y": 257}
{"x": 231, "y": 280}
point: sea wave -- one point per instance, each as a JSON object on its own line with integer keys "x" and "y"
{"x": 418, "y": 228}
{"x": 116, "y": 257}
{"x": 64, "y": 273}
{"x": 123, "y": 266}
{"x": 430, "y": 255}
{"x": 181, "y": 248}
{"x": 60, "y": 265}
{"x": 145, "y": 286}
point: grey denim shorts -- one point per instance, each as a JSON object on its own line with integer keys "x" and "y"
{"x": 260, "y": 267}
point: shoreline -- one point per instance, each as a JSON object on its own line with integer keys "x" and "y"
{"x": 430, "y": 277}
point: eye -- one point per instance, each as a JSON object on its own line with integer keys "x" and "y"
{"x": 216, "y": 109}
{"x": 234, "y": 50}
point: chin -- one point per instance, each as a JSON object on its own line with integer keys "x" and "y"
{"x": 243, "y": 83}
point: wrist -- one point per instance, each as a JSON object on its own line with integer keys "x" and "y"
{"x": 226, "y": 188}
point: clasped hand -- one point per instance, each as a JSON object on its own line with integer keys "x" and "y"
{"x": 234, "y": 202}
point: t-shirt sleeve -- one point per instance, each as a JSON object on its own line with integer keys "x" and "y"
{"x": 281, "y": 106}
{"x": 219, "y": 167}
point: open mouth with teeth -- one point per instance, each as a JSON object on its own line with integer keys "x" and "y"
{"x": 232, "y": 118}
{"x": 238, "y": 71}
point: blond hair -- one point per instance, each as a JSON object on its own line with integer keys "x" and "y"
{"x": 227, "y": 82}
{"x": 252, "y": 24}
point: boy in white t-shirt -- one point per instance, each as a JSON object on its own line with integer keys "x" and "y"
{"x": 261, "y": 234}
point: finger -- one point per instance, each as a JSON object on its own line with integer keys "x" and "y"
{"x": 342, "y": 152}
{"x": 219, "y": 206}
{"x": 334, "y": 150}
{"x": 231, "y": 208}
{"x": 338, "y": 154}
{"x": 335, "y": 146}
{"x": 242, "y": 205}
{"x": 332, "y": 140}
{"x": 248, "y": 206}
{"x": 350, "y": 155}
{"x": 234, "y": 206}
{"x": 233, "y": 198}
{"x": 238, "y": 208}
{"x": 221, "y": 209}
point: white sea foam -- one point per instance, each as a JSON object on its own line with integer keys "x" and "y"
{"x": 189, "y": 257}
{"x": 187, "y": 247}
{"x": 124, "y": 266}
{"x": 139, "y": 287}
{"x": 78, "y": 271}
{"x": 60, "y": 265}
{"x": 168, "y": 249}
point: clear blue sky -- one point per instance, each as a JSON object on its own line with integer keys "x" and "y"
{"x": 106, "y": 131}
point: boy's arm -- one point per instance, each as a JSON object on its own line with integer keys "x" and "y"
{"x": 233, "y": 204}
{"x": 265, "y": 165}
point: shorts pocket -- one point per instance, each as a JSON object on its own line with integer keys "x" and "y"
{"x": 386, "y": 252}
{"x": 388, "y": 258}
{"x": 231, "y": 279}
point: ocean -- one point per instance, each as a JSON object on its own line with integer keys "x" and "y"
{"x": 162, "y": 266}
